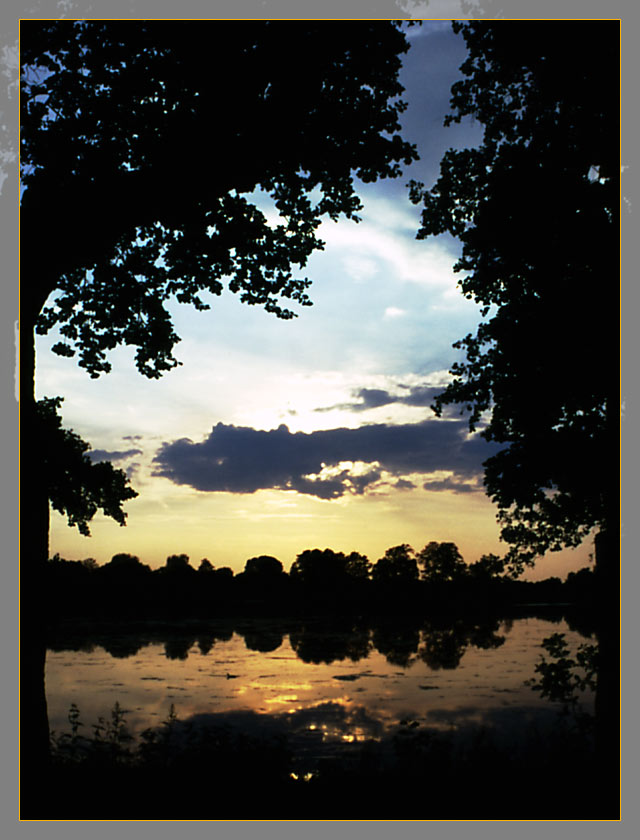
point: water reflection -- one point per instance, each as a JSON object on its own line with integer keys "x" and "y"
{"x": 317, "y": 641}
{"x": 323, "y": 685}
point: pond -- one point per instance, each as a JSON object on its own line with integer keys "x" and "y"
{"x": 324, "y": 684}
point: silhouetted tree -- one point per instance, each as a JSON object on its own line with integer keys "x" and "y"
{"x": 397, "y": 566}
{"x": 75, "y": 486}
{"x": 529, "y": 205}
{"x": 357, "y": 566}
{"x": 113, "y": 224}
{"x": 537, "y": 208}
{"x": 124, "y": 584}
{"x": 178, "y": 563}
{"x": 205, "y": 566}
{"x": 488, "y": 568}
{"x": 90, "y": 563}
{"x": 441, "y": 563}
{"x": 124, "y": 561}
{"x": 263, "y": 567}
{"x": 57, "y": 470}
{"x": 320, "y": 569}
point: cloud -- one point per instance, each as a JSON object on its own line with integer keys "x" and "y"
{"x": 116, "y": 455}
{"x": 404, "y": 484}
{"x": 367, "y": 398}
{"x": 327, "y": 464}
{"x": 449, "y": 484}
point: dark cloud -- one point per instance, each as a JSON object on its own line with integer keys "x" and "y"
{"x": 404, "y": 484}
{"x": 132, "y": 469}
{"x": 449, "y": 484}
{"x": 368, "y": 398}
{"x": 116, "y": 455}
{"x": 238, "y": 459}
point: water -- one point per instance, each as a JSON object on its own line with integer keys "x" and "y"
{"x": 322, "y": 686}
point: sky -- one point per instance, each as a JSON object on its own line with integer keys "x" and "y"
{"x": 278, "y": 436}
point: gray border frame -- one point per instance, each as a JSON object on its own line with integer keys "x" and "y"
{"x": 543, "y": 9}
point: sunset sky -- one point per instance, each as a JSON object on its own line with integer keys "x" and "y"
{"x": 278, "y": 436}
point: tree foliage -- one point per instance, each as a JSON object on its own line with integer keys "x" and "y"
{"x": 178, "y": 563}
{"x": 144, "y": 145}
{"x": 263, "y": 568}
{"x": 319, "y": 568}
{"x": 488, "y": 568}
{"x": 536, "y": 207}
{"x": 75, "y": 486}
{"x": 441, "y": 563}
{"x": 398, "y": 565}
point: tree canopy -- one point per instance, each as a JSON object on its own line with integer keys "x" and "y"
{"x": 398, "y": 565}
{"x": 536, "y": 208}
{"x": 143, "y": 146}
{"x": 76, "y": 486}
{"x": 441, "y": 563}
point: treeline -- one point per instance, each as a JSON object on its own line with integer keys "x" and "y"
{"x": 321, "y": 580}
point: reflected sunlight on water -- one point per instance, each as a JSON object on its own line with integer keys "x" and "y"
{"x": 346, "y": 691}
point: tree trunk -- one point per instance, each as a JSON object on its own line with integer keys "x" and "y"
{"x": 607, "y": 704}
{"x": 34, "y": 550}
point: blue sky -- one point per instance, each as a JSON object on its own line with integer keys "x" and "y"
{"x": 362, "y": 463}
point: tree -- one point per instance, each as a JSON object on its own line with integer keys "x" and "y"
{"x": 489, "y": 567}
{"x": 397, "y": 566}
{"x": 75, "y": 485}
{"x": 57, "y": 470}
{"x": 178, "y": 563}
{"x": 535, "y": 206}
{"x": 263, "y": 568}
{"x": 206, "y": 566}
{"x": 124, "y": 561}
{"x": 441, "y": 563}
{"x": 142, "y": 147}
{"x": 319, "y": 569}
{"x": 90, "y": 563}
{"x": 357, "y": 566}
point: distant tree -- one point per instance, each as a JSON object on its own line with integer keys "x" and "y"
{"x": 125, "y": 562}
{"x": 441, "y": 563}
{"x": 489, "y": 567}
{"x": 397, "y": 566}
{"x": 319, "y": 568}
{"x": 178, "y": 563}
{"x": 205, "y": 566}
{"x": 122, "y": 561}
{"x": 582, "y": 583}
{"x": 90, "y": 563}
{"x": 357, "y": 566}
{"x": 263, "y": 567}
